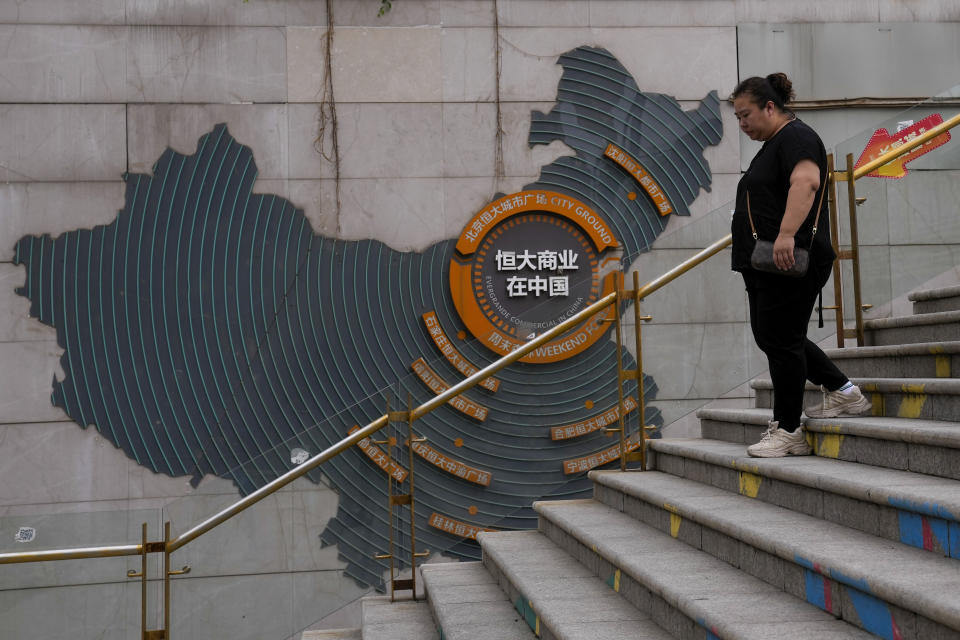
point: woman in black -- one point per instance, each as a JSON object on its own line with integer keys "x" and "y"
{"x": 784, "y": 184}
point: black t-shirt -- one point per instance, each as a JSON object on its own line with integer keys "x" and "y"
{"x": 768, "y": 181}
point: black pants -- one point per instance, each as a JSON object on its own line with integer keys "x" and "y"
{"x": 780, "y": 310}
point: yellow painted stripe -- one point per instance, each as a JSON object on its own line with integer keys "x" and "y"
{"x": 675, "y": 521}
{"x": 943, "y": 366}
{"x": 750, "y": 484}
{"x": 879, "y": 406}
{"x": 537, "y": 630}
{"x": 911, "y": 406}
{"x": 828, "y": 445}
{"x": 913, "y": 388}
{"x": 669, "y": 507}
{"x": 616, "y": 581}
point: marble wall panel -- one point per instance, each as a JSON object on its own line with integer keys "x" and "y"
{"x": 306, "y": 67}
{"x": 662, "y": 13}
{"x": 686, "y": 63}
{"x": 256, "y": 607}
{"x": 351, "y": 13}
{"x": 815, "y": 11}
{"x": 853, "y": 60}
{"x": 710, "y": 293}
{"x": 543, "y": 13}
{"x": 107, "y": 611}
{"x": 62, "y": 142}
{"x": 154, "y": 127}
{"x": 401, "y": 212}
{"x": 54, "y": 207}
{"x": 469, "y": 139}
{"x": 387, "y": 65}
{"x": 462, "y": 199}
{"x": 63, "y": 12}
{"x": 310, "y": 147}
{"x": 47, "y": 463}
{"x": 25, "y": 390}
{"x": 723, "y": 157}
{"x": 226, "y": 12}
{"x": 391, "y": 140}
{"x": 206, "y": 64}
{"x": 922, "y": 208}
{"x": 469, "y": 62}
{"x": 466, "y": 13}
{"x": 927, "y": 11}
{"x": 911, "y": 266}
{"x": 63, "y": 63}
{"x": 698, "y": 360}
{"x": 68, "y": 530}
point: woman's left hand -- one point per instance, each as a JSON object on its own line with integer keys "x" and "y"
{"x": 783, "y": 252}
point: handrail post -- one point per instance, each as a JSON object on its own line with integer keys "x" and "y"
{"x": 855, "y": 250}
{"x": 641, "y": 392}
{"x": 835, "y": 241}
{"x": 411, "y": 440}
{"x": 621, "y": 409}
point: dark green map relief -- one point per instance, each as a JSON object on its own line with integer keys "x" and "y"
{"x": 209, "y": 330}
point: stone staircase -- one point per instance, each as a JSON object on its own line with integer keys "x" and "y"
{"x": 860, "y": 540}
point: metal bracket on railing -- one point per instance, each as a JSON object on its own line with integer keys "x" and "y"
{"x": 146, "y": 548}
{"x": 640, "y": 455}
{"x": 401, "y": 499}
{"x": 852, "y": 254}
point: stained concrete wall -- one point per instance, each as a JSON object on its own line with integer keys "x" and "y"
{"x": 90, "y": 90}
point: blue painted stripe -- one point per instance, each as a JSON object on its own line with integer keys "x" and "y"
{"x": 911, "y": 531}
{"x": 813, "y": 587}
{"x": 873, "y": 613}
{"x": 926, "y": 508}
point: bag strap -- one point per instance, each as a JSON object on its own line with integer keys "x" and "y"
{"x": 816, "y": 220}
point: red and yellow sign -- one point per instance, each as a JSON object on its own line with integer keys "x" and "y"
{"x": 882, "y": 142}
{"x": 527, "y": 262}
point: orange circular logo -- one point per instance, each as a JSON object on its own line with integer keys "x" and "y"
{"x": 526, "y": 263}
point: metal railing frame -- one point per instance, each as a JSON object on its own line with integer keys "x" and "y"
{"x": 168, "y": 546}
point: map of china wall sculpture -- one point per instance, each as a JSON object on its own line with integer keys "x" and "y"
{"x": 209, "y": 330}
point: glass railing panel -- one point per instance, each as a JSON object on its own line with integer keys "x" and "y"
{"x": 82, "y": 599}
{"x": 909, "y": 233}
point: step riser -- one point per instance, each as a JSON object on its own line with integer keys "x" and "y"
{"x": 910, "y": 366}
{"x": 912, "y": 335}
{"x": 905, "y": 456}
{"x": 660, "y": 611}
{"x": 929, "y": 533}
{"x": 893, "y": 404}
{"x": 520, "y": 601}
{"x": 799, "y": 578}
{"x": 934, "y": 306}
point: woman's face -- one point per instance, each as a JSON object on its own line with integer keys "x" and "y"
{"x": 758, "y": 123}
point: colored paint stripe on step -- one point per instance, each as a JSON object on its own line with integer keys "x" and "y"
{"x": 922, "y": 532}
{"x": 943, "y": 366}
{"x": 912, "y": 405}
{"x": 750, "y": 484}
{"x": 828, "y": 445}
{"x": 874, "y": 615}
{"x": 818, "y": 591}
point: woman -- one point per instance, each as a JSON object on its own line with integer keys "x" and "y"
{"x": 782, "y": 189}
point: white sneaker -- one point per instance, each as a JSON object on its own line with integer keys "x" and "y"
{"x": 777, "y": 443}
{"x": 837, "y": 403}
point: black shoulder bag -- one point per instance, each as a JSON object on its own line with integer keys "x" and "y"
{"x": 762, "y": 257}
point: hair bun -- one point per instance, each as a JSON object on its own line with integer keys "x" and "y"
{"x": 782, "y": 87}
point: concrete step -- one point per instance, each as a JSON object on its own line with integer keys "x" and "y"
{"x": 915, "y": 509}
{"x": 559, "y": 597}
{"x": 930, "y": 447}
{"x": 400, "y": 620}
{"x": 467, "y": 603}
{"x": 935, "y": 300}
{"x": 689, "y": 592}
{"x": 942, "y": 326}
{"x": 928, "y": 360}
{"x": 887, "y": 588}
{"x": 927, "y": 398}
{"x": 333, "y": 634}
